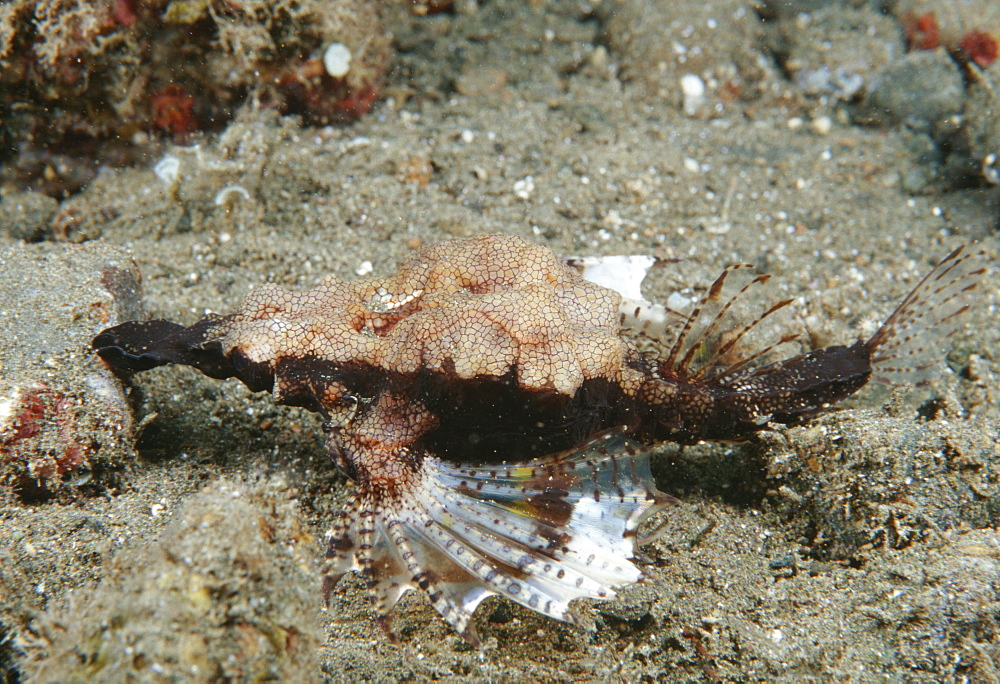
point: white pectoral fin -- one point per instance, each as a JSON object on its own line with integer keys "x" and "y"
{"x": 541, "y": 533}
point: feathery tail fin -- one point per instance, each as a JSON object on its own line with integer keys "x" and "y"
{"x": 910, "y": 342}
{"x": 712, "y": 393}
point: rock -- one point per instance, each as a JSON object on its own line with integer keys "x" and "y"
{"x": 26, "y": 215}
{"x": 982, "y": 125}
{"x": 837, "y": 50}
{"x": 64, "y": 418}
{"x": 869, "y": 481}
{"x": 659, "y": 43}
{"x": 79, "y": 80}
{"x": 229, "y": 591}
{"x": 920, "y": 90}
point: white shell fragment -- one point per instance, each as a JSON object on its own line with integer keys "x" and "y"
{"x": 229, "y": 194}
{"x": 7, "y": 410}
{"x": 337, "y": 60}
{"x": 168, "y": 170}
{"x": 693, "y": 93}
{"x": 622, "y": 273}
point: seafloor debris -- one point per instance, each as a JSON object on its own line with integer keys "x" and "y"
{"x": 75, "y": 73}
{"x": 657, "y": 44}
{"x": 492, "y": 351}
{"x": 189, "y": 605}
{"x": 64, "y": 419}
{"x": 969, "y": 29}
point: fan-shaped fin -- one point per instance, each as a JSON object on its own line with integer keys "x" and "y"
{"x": 910, "y": 341}
{"x": 541, "y": 533}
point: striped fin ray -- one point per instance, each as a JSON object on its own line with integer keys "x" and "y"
{"x": 541, "y": 533}
{"x": 909, "y": 342}
{"x": 716, "y": 341}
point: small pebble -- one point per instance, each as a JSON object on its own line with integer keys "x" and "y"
{"x": 337, "y": 60}
{"x": 693, "y": 93}
{"x": 476, "y": 81}
{"x": 524, "y": 187}
{"x": 822, "y": 125}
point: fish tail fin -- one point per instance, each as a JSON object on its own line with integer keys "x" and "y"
{"x": 910, "y": 342}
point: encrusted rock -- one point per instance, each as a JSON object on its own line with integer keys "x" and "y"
{"x": 64, "y": 417}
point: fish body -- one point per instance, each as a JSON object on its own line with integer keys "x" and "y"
{"x": 457, "y": 394}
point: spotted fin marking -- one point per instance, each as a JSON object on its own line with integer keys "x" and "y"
{"x": 541, "y": 533}
{"x": 909, "y": 342}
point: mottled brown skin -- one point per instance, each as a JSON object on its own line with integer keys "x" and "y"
{"x": 485, "y": 348}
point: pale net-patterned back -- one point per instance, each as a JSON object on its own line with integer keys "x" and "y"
{"x": 483, "y": 306}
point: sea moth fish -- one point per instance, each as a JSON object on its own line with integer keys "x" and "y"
{"x": 494, "y": 410}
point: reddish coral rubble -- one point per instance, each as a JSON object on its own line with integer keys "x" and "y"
{"x": 79, "y": 76}
{"x": 173, "y": 111}
{"x": 980, "y": 47}
{"x": 36, "y": 409}
{"x": 922, "y": 32}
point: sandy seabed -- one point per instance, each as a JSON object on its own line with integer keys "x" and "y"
{"x": 859, "y": 547}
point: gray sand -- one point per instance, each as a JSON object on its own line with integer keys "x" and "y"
{"x": 860, "y": 547}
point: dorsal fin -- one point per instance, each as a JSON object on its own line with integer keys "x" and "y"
{"x": 714, "y": 343}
